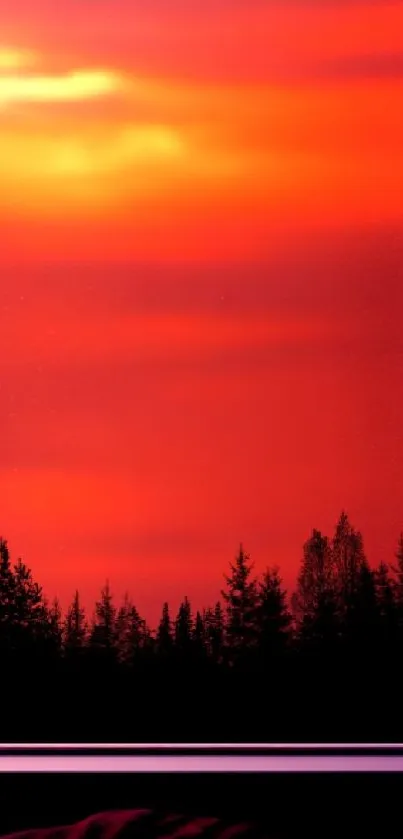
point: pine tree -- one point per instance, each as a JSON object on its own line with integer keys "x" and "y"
{"x": 30, "y": 613}
{"x": 75, "y": 629}
{"x": 315, "y": 599}
{"x": 184, "y": 628}
{"x": 199, "y": 637}
{"x": 362, "y": 617}
{"x": 348, "y": 558}
{"x": 55, "y": 628}
{"x": 354, "y": 581}
{"x": 7, "y": 597}
{"x": 398, "y": 581}
{"x": 129, "y": 632}
{"x": 103, "y": 632}
{"x": 213, "y": 620}
{"x": 241, "y": 597}
{"x": 274, "y": 618}
{"x": 165, "y": 641}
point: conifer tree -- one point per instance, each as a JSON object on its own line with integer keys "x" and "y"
{"x": 348, "y": 558}
{"x": 129, "y": 632}
{"x": 165, "y": 640}
{"x": 315, "y": 602}
{"x": 103, "y": 632}
{"x": 30, "y": 613}
{"x": 398, "y": 582}
{"x": 214, "y": 629}
{"x": 199, "y": 637}
{"x": 7, "y": 597}
{"x": 241, "y": 598}
{"x": 55, "y": 628}
{"x": 184, "y": 628}
{"x": 75, "y": 628}
{"x": 274, "y": 618}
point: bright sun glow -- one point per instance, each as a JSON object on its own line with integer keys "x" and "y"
{"x": 15, "y": 59}
{"x": 73, "y": 86}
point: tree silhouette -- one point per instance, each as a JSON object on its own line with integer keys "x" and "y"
{"x": 398, "y": 585}
{"x": 184, "y": 629}
{"x": 362, "y": 627}
{"x": 199, "y": 637}
{"x": 55, "y": 629}
{"x": 214, "y": 630}
{"x": 241, "y": 597}
{"x": 348, "y": 558}
{"x": 238, "y": 667}
{"x": 274, "y": 617}
{"x": 7, "y": 595}
{"x": 30, "y": 613}
{"x": 315, "y": 602}
{"x": 165, "y": 640}
{"x": 130, "y": 632}
{"x": 75, "y": 630}
{"x": 103, "y": 630}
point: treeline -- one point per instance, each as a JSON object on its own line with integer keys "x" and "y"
{"x": 325, "y": 661}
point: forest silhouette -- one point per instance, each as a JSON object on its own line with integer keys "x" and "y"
{"x": 323, "y": 664}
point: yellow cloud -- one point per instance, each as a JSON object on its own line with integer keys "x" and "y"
{"x": 71, "y": 87}
{"x": 16, "y": 59}
{"x": 88, "y": 153}
{"x": 63, "y": 170}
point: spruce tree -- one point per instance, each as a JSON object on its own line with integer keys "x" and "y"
{"x": 184, "y": 628}
{"x": 241, "y": 598}
{"x": 103, "y": 631}
{"x": 75, "y": 628}
{"x": 274, "y": 617}
{"x": 165, "y": 640}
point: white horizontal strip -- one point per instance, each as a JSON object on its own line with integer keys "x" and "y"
{"x": 203, "y": 763}
{"x": 168, "y": 746}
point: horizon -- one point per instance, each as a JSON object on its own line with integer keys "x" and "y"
{"x": 196, "y": 607}
{"x": 200, "y": 267}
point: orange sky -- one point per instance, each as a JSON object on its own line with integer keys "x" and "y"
{"x": 200, "y": 258}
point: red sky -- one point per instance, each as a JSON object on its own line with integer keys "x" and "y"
{"x": 200, "y": 284}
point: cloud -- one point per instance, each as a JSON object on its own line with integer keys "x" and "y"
{"x": 15, "y": 59}
{"x": 86, "y": 153}
{"x": 71, "y": 87}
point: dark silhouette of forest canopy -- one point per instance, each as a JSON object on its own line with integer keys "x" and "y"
{"x": 258, "y": 665}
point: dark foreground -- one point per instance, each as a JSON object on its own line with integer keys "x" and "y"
{"x": 281, "y": 806}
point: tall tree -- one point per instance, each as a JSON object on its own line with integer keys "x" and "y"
{"x": 30, "y": 613}
{"x": 129, "y": 632}
{"x": 199, "y": 637}
{"x": 7, "y": 597}
{"x": 398, "y": 582}
{"x": 165, "y": 640}
{"x": 362, "y": 616}
{"x": 274, "y": 617}
{"x": 348, "y": 558}
{"x": 315, "y": 599}
{"x": 103, "y": 633}
{"x": 354, "y": 582}
{"x": 241, "y": 598}
{"x": 75, "y": 629}
{"x": 184, "y": 628}
{"x": 55, "y": 636}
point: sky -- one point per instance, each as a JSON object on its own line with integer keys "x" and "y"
{"x": 200, "y": 287}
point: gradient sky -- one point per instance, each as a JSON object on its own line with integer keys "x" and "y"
{"x": 201, "y": 292}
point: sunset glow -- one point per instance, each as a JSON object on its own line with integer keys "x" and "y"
{"x": 200, "y": 259}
